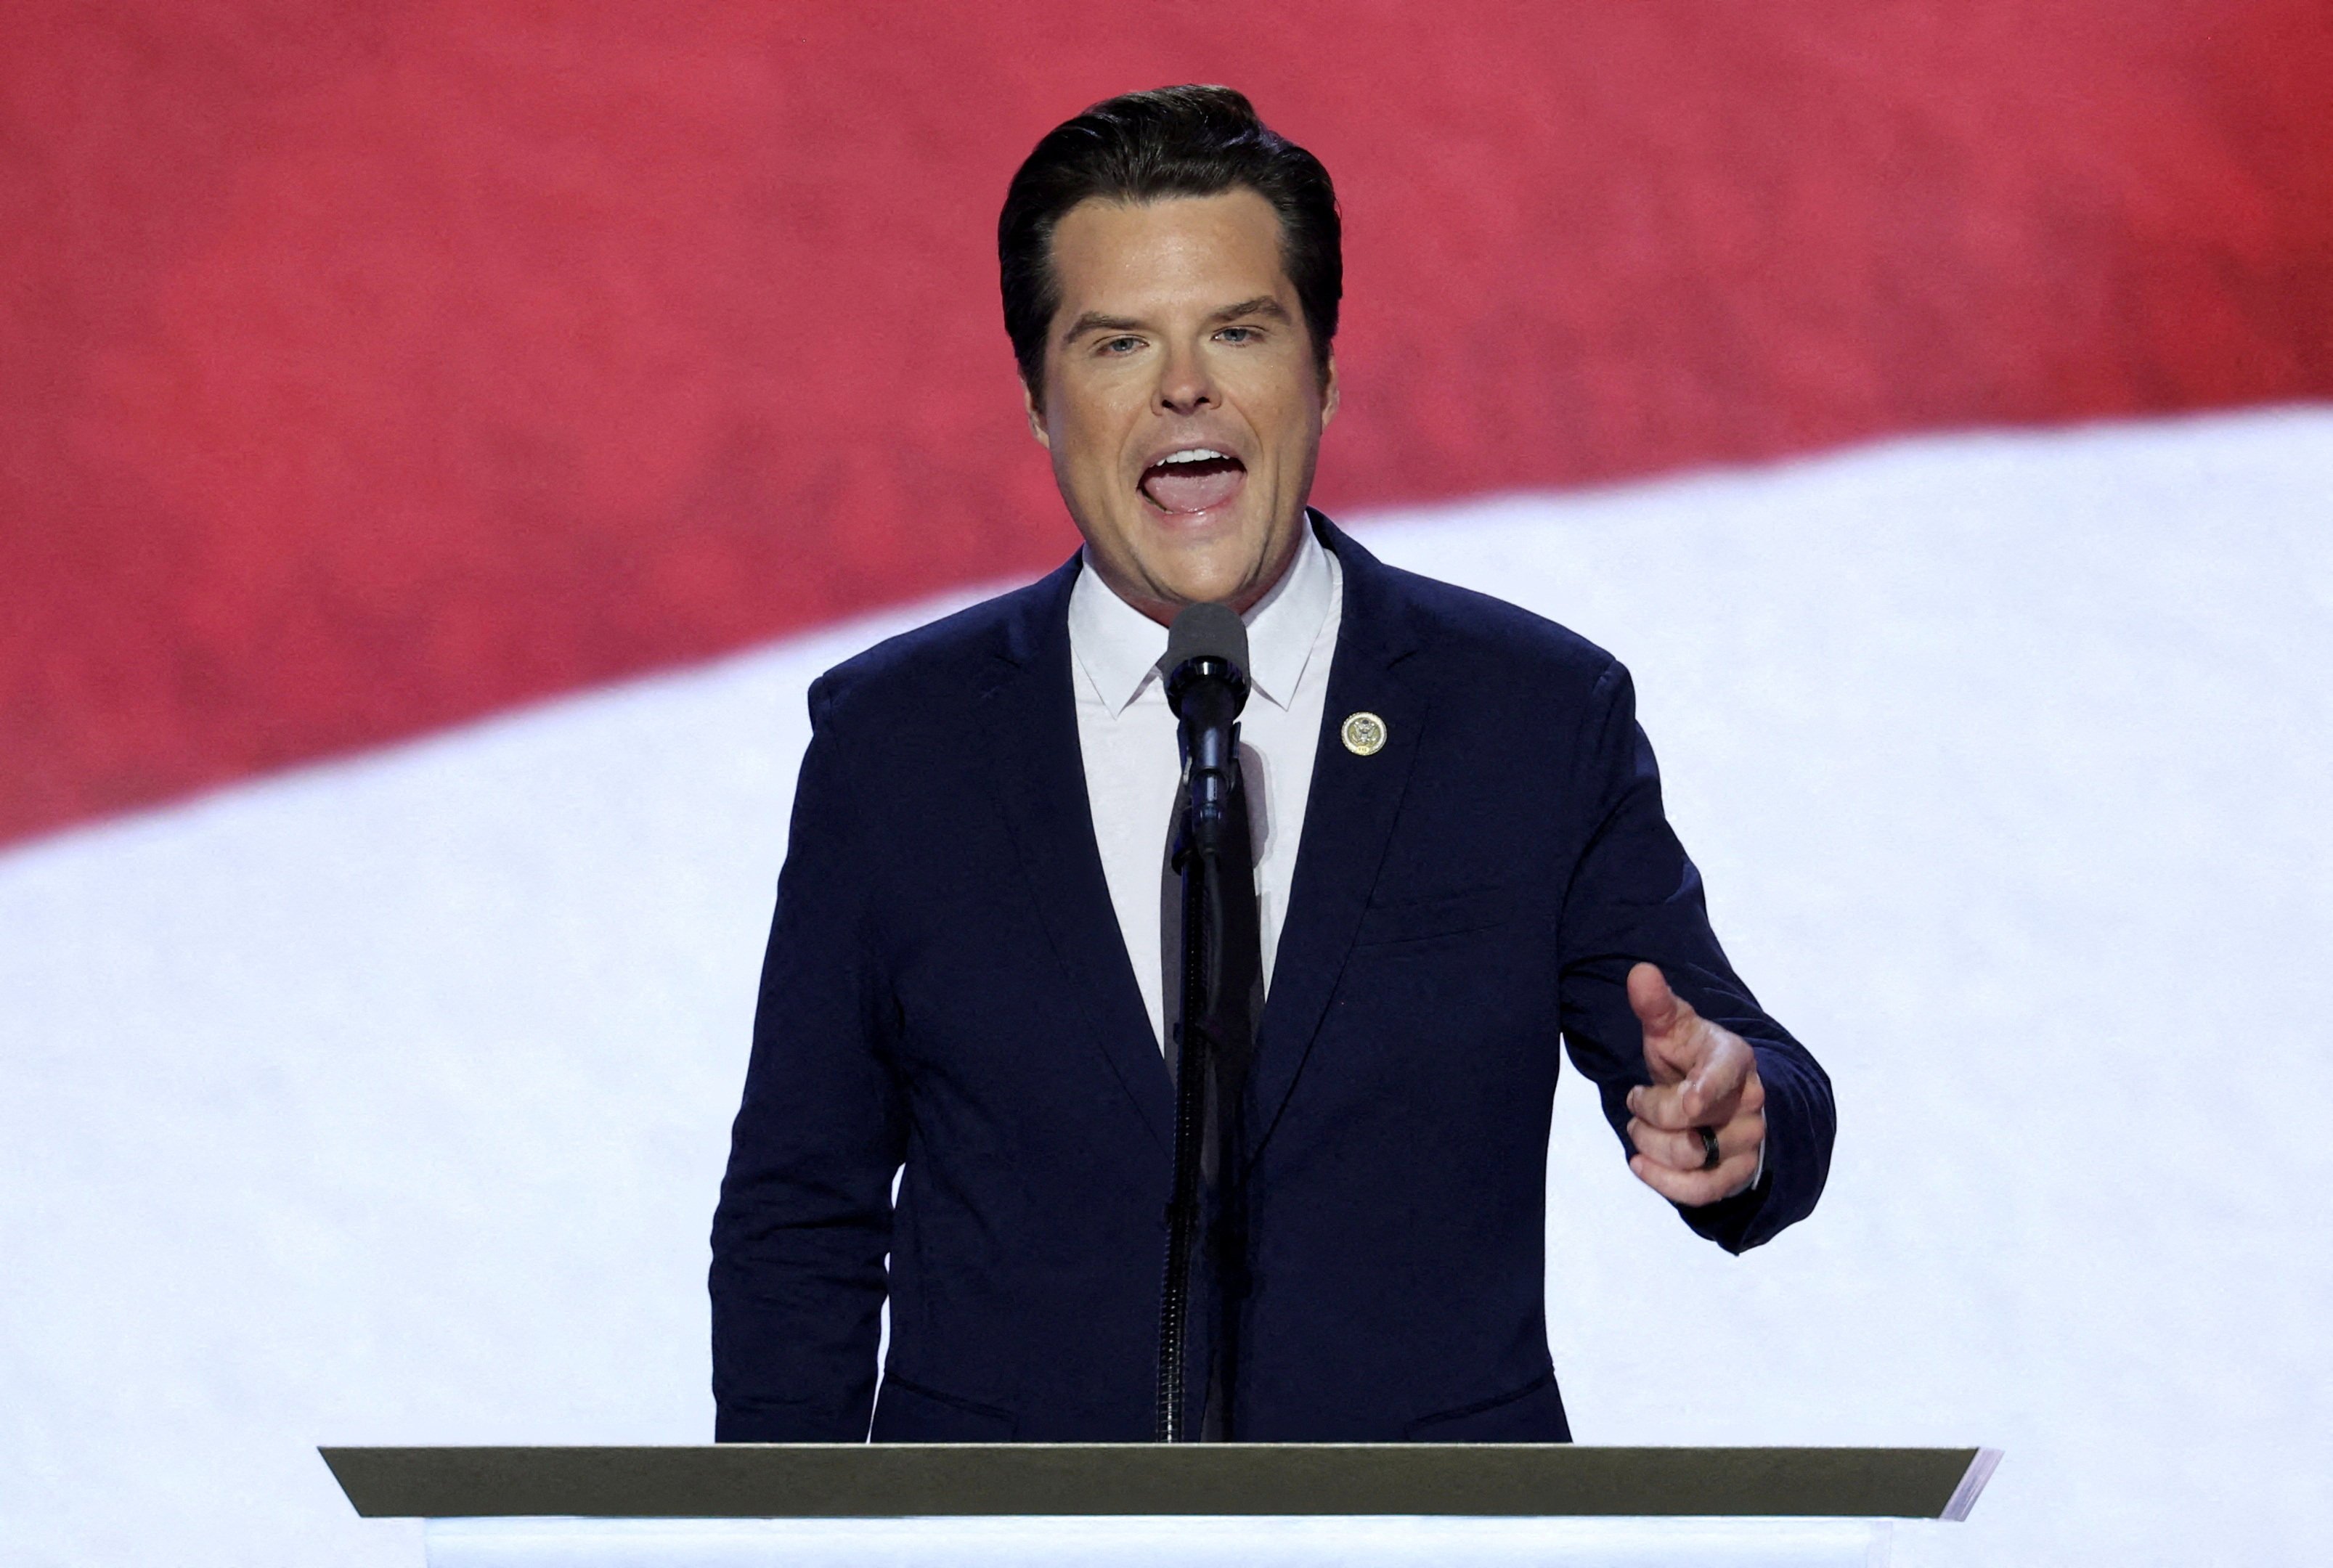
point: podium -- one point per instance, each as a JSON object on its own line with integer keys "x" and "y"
{"x": 816, "y": 1505}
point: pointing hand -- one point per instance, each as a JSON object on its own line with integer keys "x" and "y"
{"x": 1704, "y": 1075}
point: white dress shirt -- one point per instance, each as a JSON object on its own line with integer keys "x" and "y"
{"x": 1126, "y": 733}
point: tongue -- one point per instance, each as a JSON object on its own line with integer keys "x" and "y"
{"x": 1194, "y": 486}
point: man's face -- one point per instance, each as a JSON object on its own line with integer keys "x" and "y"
{"x": 1182, "y": 402}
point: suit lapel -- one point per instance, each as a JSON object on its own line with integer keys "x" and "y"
{"x": 1039, "y": 775}
{"x": 1348, "y": 818}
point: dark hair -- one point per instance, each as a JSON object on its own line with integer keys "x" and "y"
{"x": 1171, "y": 142}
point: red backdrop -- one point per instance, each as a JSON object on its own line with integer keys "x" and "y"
{"x": 365, "y": 366}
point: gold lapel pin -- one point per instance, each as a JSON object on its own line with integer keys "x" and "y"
{"x": 1363, "y": 735}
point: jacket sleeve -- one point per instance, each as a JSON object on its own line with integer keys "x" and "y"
{"x": 1633, "y": 896}
{"x": 804, "y": 1220}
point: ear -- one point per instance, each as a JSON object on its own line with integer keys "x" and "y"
{"x": 1329, "y": 390}
{"x": 1036, "y": 416}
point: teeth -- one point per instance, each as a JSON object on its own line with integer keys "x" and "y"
{"x": 1196, "y": 455}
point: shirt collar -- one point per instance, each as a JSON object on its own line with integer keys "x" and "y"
{"x": 1284, "y": 625}
{"x": 1117, "y": 647}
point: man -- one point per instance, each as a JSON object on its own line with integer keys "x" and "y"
{"x": 1461, "y": 860}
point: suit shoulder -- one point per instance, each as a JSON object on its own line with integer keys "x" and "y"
{"x": 946, "y": 662}
{"x": 1504, "y": 639}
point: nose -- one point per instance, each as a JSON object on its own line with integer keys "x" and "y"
{"x": 1186, "y": 384}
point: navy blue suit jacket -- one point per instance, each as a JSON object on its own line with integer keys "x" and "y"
{"x": 945, "y": 989}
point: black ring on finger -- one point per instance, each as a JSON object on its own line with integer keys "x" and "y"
{"x": 1709, "y": 1155}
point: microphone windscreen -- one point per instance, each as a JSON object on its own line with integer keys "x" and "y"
{"x": 1206, "y": 631}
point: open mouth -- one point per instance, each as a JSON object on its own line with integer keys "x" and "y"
{"x": 1192, "y": 479}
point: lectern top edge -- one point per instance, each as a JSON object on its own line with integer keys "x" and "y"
{"x": 896, "y": 1480}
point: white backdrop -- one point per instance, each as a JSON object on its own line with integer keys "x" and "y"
{"x": 385, "y": 1102}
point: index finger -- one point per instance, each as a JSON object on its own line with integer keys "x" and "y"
{"x": 1712, "y": 1092}
{"x": 1663, "y": 1105}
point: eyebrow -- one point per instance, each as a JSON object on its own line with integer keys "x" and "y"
{"x": 1095, "y": 321}
{"x": 1262, "y": 305}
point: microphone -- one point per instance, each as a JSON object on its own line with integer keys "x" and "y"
{"x": 1206, "y": 687}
